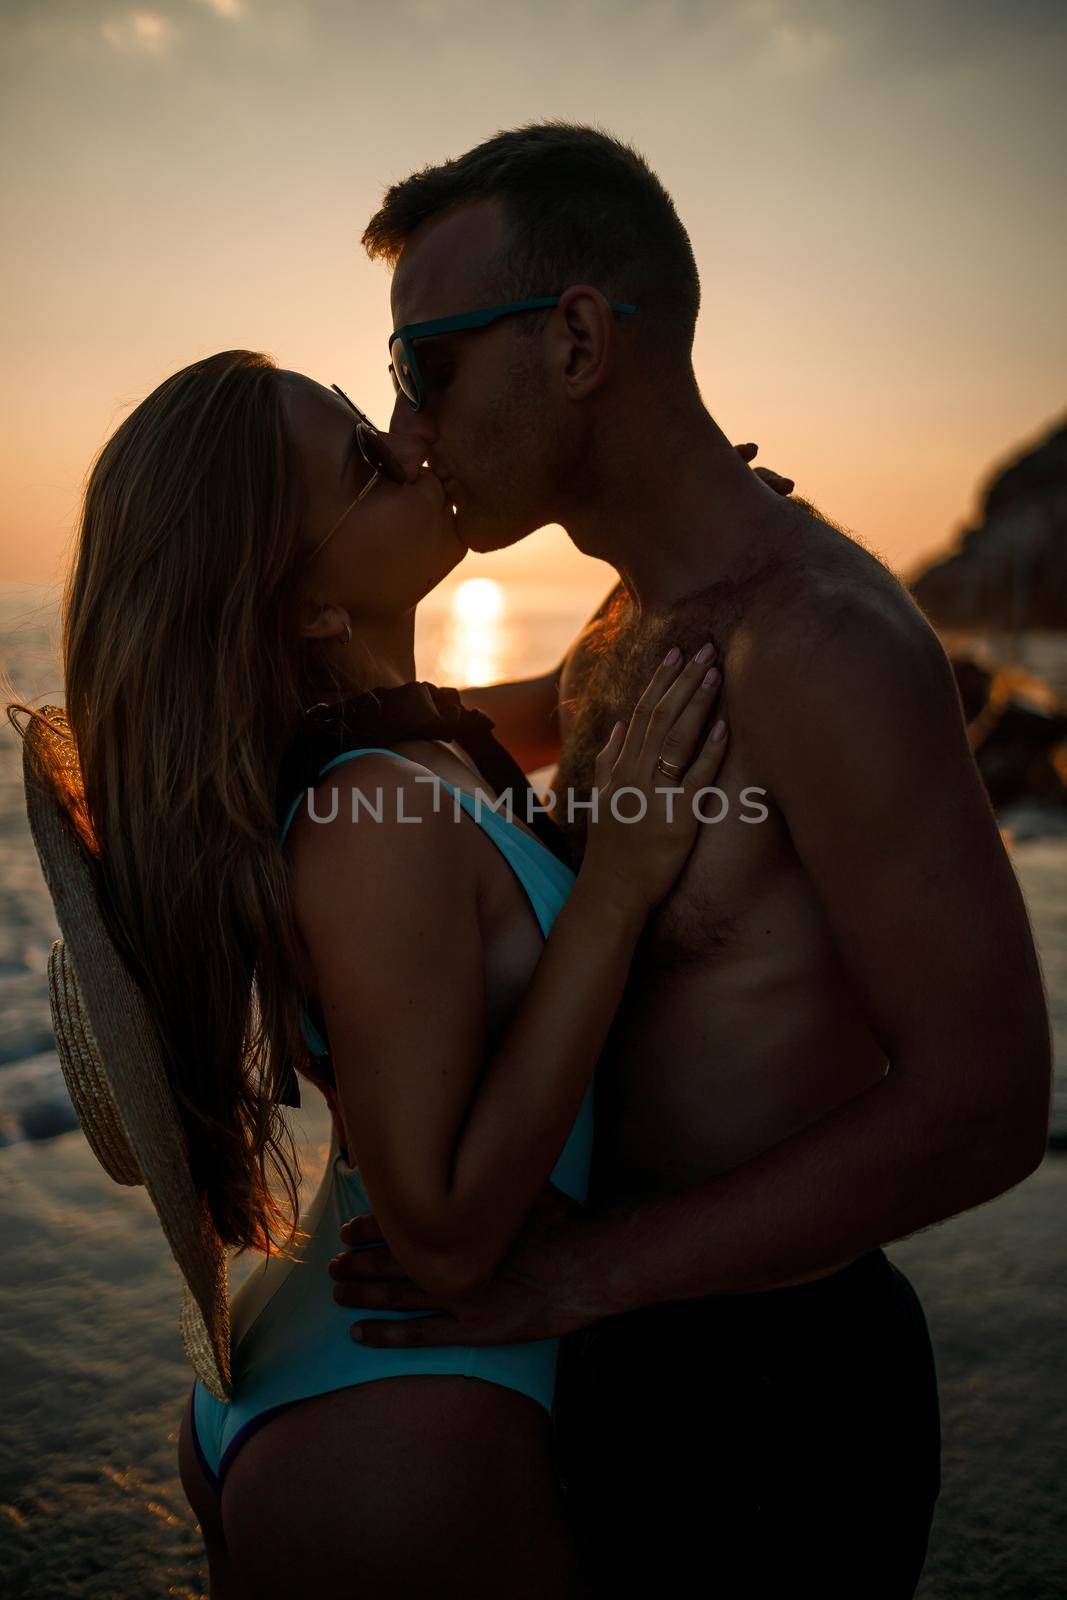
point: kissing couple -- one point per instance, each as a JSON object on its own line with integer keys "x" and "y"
{"x": 624, "y": 1107}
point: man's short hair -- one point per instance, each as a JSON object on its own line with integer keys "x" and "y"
{"x": 582, "y": 207}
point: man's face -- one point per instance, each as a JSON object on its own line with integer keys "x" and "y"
{"x": 484, "y": 428}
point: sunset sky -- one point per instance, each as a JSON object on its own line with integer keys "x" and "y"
{"x": 874, "y": 192}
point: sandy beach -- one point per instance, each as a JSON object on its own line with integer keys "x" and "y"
{"x": 95, "y": 1377}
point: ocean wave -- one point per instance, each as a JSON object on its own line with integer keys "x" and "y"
{"x": 34, "y": 1103}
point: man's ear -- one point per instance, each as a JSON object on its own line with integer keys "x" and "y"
{"x": 583, "y": 333}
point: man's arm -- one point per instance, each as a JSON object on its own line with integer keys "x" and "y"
{"x": 860, "y": 735}
{"x": 526, "y": 711}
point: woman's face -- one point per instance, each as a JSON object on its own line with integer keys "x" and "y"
{"x": 392, "y": 548}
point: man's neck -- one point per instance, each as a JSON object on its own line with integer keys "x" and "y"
{"x": 684, "y": 512}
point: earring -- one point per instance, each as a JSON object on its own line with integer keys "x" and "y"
{"x": 348, "y": 633}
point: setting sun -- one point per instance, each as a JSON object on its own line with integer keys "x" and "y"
{"x": 478, "y": 601}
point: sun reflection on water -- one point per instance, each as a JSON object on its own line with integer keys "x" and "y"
{"x": 473, "y": 647}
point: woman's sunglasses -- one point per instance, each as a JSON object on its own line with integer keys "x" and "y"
{"x": 380, "y": 460}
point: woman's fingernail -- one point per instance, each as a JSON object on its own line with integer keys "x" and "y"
{"x": 672, "y": 656}
{"x": 718, "y": 733}
{"x": 357, "y": 1332}
{"x": 711, "y": 678}
{"x": 704, "y": 652}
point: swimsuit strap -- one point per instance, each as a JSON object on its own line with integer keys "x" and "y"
{"x": 413, "y": 710}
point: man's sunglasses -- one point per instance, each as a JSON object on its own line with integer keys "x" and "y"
{"x": 378, "y": 456}
{"x": 403, "y": 366}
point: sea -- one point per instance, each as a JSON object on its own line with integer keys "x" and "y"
{"x": 479, "y": 631}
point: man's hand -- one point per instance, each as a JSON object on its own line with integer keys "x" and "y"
{"x": 547, "y": 1286}
{"x": 773, "y": 480}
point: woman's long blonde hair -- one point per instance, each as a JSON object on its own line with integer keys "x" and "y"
{"x": 185, "y": 678}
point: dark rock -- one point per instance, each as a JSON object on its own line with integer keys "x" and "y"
{"x": 48, "y": 1119}
{"x": 1009, "y": 572}
{"x": 1015, "y": 756}
{"x": 973, "y": 683}
{"x": 1018, "y": 731}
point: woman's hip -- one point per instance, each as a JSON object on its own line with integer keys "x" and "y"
{"x": 437, "y": 1482}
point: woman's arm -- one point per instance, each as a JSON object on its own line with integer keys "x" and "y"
{"x": 454, "y": 1149}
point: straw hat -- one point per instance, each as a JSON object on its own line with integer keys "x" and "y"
{"x": 111, "y": 1060}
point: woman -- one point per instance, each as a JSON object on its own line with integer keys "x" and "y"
{"x": 250, "y": 549}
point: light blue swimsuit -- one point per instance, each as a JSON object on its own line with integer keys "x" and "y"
{"x": 290, "y": 1337}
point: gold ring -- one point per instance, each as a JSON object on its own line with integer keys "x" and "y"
{"x": 669, "y": 768}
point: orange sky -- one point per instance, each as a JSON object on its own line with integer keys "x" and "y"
{"x": 874, "y": 193}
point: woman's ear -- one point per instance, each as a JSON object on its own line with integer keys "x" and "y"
{"x": 321, "y": 620}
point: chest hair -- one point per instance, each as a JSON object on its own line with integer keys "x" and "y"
{"x": 618, "y": 661}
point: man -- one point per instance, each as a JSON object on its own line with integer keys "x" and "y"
{"x": 835, "y": 1032}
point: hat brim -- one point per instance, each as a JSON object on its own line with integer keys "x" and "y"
{"x": 127, "y": 1044}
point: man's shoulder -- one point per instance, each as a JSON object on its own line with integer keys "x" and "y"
{"x": 827, "y": 599}
{"x": 838, "y": 658}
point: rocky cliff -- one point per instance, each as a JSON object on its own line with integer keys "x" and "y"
{"x": 1011, "y": 570}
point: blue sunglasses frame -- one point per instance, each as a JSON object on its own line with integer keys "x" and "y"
{"x": 406, "y": 336}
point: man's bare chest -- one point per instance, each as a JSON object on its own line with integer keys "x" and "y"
{"x": 742, "y": 879}
{"x": 741, "y": 882}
